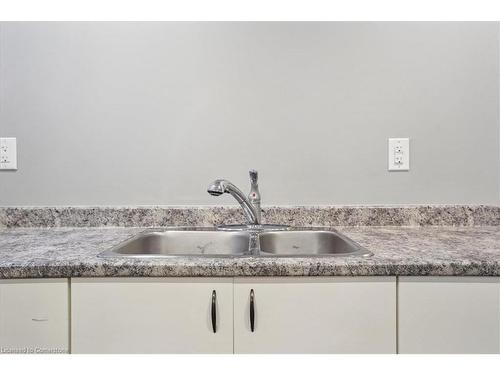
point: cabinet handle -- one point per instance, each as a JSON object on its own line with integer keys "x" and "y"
{"x": 214, "y": 311}
{"x": 252, "y": 310}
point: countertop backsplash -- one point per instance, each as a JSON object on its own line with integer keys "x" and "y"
{"x": 161, "y": 216}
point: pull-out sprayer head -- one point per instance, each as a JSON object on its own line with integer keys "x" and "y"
{"x": 216, "y": 188}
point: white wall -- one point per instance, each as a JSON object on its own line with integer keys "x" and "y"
{"x": 150, "y": 113}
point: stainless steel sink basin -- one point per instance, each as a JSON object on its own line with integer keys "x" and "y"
{"x": 212, "y": 242}
{"x": 200, "y": 242}
{"x": 302, "y": 242}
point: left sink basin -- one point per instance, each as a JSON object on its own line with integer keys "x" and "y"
{"x": 202, "y": 242}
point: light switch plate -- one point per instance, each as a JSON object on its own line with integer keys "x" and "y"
{"x": 399, "y": 154}
{"x": 8, "y": 154}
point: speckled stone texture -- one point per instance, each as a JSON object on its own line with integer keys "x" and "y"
{"x": 429, "y": 250}
{"x": 405, "y": 240}
{"x": 158, "y": 216}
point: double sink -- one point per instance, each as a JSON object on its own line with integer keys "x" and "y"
{"x": 225, "y": 242}
{"x": 251, "y": 239}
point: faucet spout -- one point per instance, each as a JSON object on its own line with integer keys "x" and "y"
{"x": 219, "y": 187}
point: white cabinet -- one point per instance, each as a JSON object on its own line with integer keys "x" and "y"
{"x": 449, "y": 314}
{"x": 290, "y": 315}
{"x": 315, "y": 315}
{"x": 152, "y": 315}
{"x": 34, "y": 316}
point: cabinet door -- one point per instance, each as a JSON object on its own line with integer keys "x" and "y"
{"x": 151, "y": 315}
{"x": 34, "y": 316}
{"x": 449, "y": 314}
{"x": 315, "y": 315}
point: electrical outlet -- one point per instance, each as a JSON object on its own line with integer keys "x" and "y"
{"x": 8, "y": 154}
{"x": 399, "y": 154}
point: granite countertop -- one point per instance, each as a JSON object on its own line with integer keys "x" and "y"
{"x": 398, "y": 250}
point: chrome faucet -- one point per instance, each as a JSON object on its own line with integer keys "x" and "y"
{"x": 251, "y": 205}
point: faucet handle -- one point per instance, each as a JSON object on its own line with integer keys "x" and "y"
{"x": 254, "y": 176}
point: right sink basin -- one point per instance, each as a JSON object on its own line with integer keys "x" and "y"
{"x": 307, "y": 242}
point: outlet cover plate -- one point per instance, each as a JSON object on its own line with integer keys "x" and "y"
{"x": 399, "y": 154}
{"x": 8, "y": 154}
